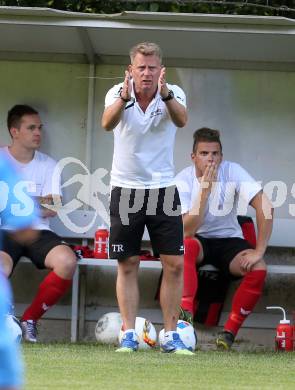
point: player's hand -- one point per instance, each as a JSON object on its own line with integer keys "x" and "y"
{"x": 162, "y": 86}
{"x": 127, "y": 86}
{"x": 209, "y": 177}
{"x": 248, "y": 258}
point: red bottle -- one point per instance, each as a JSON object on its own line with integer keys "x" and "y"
{"x": 101, "y": 243}
{"x": 284, "y": 335}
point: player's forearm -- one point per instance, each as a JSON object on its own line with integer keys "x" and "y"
{"x": 264, "y": 220}
{"x": 264, "y": 229}
{"x": 194, "y": 219}
{"x": 177, "y": 112}
{"x": 112, "y": 115}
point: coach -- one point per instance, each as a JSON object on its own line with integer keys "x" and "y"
{"x": 144, "y": 112}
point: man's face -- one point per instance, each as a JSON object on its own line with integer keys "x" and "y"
{"x": 145, "y": 72}
{"x": 29, "y": 133}
{"x": 205, "y": 154}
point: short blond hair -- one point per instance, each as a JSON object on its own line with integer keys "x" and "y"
{"x": 147, "y": 49}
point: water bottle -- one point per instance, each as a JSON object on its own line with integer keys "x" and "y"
{"x": 284, "y": 332}
{"x": 101, "y": 243}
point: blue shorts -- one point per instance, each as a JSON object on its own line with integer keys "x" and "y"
{"x": 10, "y": 360}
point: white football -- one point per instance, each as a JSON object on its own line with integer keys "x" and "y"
{"x": 186, "y": 332}
{"x": 108, "y": 328}
{"x": 13, "y": 326}
{"x": 146, "y": 333}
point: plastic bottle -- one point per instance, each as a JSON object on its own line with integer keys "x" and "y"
{"x": 101, "y": 243}
{"x": 284, "y": 333}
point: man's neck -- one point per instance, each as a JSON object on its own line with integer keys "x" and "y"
{"x": 144, "y": 98}
{"x": 21, "y": 154}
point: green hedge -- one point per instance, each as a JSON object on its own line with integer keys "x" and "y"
{"x": 239, "y": 7}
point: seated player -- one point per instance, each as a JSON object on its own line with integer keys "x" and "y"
{"x": 48, "y": 251}
{"x": 212, "y": 192}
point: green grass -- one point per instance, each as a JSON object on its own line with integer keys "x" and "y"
{"x": 88, "y": 366}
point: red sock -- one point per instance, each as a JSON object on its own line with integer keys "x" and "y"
{"x": 50, "y": 291}
{"x": 190, "y": 275}
{"x": 245, "y": 299}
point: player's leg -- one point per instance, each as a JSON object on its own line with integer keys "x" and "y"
{"x": 246, "y": 295}
{"x": 124, "y": 245}
{"x": 50, "y": 252}
{"x": 166, "y": 233}
{"x": 193, "y": 254}
{"x": 128, "y": 299}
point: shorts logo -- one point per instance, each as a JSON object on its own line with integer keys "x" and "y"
{"x": 117, "y": 248}
{"x": 181, "y": 248}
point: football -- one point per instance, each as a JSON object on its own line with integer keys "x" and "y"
{"x": 186, "y": 332}
{"x": 146, "y": 332}
{"x": 13, "y": 325}
{"x": 108, "y": 328}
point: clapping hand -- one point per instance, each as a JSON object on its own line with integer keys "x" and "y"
{"x": 127, "y": 86}
{"x": 162, "y": 86}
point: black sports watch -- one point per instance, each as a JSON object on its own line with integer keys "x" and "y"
{"x": 121, "y": 97}
{"x": 169, "y": 96}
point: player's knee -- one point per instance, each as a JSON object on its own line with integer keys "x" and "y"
{"x": 129, "y": 266}
{"x": 261, "y": 265}
{"x": 65, "y": 263}
{"x": 173, "y": 266}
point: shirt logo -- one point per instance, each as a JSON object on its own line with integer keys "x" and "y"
{"x": 157, "y": 112}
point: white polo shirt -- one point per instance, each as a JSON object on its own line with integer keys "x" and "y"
{"x": 39, "y": 180}
{"x": 144, "y": 142}
{"x": 231, "y": 196}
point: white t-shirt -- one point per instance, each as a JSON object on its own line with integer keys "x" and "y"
{"x": 144, "y": 142}
{"x": 231, "y": 196}
{"x": 38, "y": 180}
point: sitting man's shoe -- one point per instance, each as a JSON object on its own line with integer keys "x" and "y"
{"x": 29, "y": 328}
{"x": 187, "y": 316}
{"x": 129, "y": 343}
{"x": 175, "y": 345}
{"x": 225, "y": 340}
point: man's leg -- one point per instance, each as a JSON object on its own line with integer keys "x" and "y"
{"x": 128, "y": 300}
{"x": 244, "y": 299}
{"x": 61, "y": 261}
{"x": 170, "y": 298}
{"x": 127, "y": 227}
{"x": 192, "y": 253}
{"x": 171, "y": 290}
{"x": 50, "y": 252}
{"x": 127, "y": 290}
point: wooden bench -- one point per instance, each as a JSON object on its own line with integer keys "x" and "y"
{"x": 281, "y": 237}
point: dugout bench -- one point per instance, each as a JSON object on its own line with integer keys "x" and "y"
{"x": 281, "y": 237}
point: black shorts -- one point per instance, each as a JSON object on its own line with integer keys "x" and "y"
{"x": 157, "y": 209}
{"x": 36, "y": 251}
{"x": 221, "y": 251}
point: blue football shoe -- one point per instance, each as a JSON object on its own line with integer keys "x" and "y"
{"x": 129, "y": 343}
{"x": 176, "y": 346}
